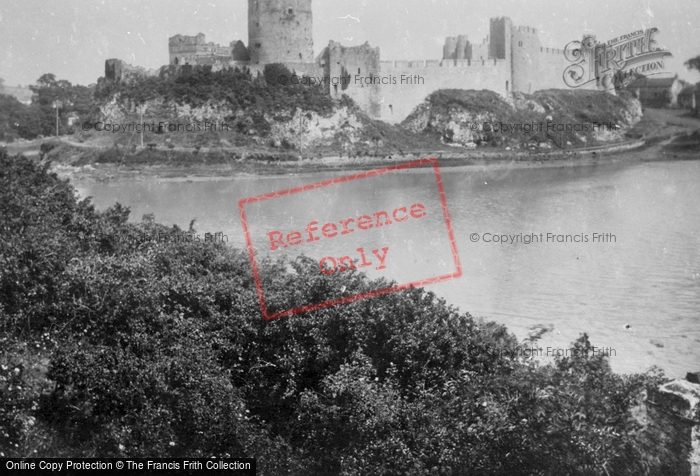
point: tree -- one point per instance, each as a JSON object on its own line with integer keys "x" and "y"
{"x": 693, "y": 63}
{"x": 48, "y": 90}
{"x": 277, "y": 74}
{"x": 17, "y": 119}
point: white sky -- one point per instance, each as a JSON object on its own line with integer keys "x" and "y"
{"x": 73, "y": 38}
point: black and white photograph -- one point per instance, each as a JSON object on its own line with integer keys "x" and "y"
{"x": 350, "y": 237}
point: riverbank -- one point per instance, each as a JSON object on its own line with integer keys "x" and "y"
{"x": 664, "y": 135}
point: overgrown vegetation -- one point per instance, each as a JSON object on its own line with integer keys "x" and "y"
{"x": 18, "y": 120}
{"x": 114, "y": 342}
{"x": 562, "y": 109}
{"x": 195, "y": 86}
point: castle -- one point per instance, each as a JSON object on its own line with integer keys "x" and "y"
{"x": 510, "y": 59}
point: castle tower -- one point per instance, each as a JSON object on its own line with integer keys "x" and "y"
{"x": 462, "y": 43}
{"x": 500, "y": 38}
{"x": 449, "y": 51}
{"x": 280, "y": 31}
{"x": 526, "y": 54}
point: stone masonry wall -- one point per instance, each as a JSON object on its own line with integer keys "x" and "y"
{"x": 280, "y": 31}
{"x": 356, "y": 71}
{"x": 397, "y": 100}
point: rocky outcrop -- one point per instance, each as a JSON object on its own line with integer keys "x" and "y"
{"x": 310, "y": 129}
{"x": 546, "y": 119}
{"x": 282, "y": 129}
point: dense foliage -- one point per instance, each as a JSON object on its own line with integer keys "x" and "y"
{"x": 19, "y": 120}
{"x": 240, "y": 90}
{"x": 114, "y": 343}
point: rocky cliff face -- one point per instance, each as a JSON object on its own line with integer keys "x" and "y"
{"x": 289, "y": 128}
{"x": 546, "y": 119}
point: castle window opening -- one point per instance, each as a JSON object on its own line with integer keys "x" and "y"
{"x": 391, "y": 109}
{"x": 258, "y": 45}
{"x": 520, "y": 43}
{"x": 506, "y": 85}
{"x": 290, "y": 11}
{"x": 358, "y": 70}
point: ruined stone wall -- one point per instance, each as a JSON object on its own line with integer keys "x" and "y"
{"x": 118, "y": 70}
{"x": 194, "y": 49}
{"x": 397, "y": 100}
{"x": 306, "y": 69}
{"x": 355, "y": 70}
{"x": 280, "y": 31}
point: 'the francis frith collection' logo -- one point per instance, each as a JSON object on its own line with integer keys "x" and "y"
{"x": 620, "y": 60}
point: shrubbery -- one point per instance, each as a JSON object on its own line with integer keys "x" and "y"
{"x": 239, "y": 89}
{"x": 146, "y": 348}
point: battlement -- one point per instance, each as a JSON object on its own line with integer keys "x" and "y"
{"x": 509, "y": 59}
{"x": 193, "y": 50}
{"x": 557, "y": 51}
{"x": 526, "y": 29}
{"x": 179, "y": 40}
{"x": 197, "y": 44}
{"x": 437, "y": 64}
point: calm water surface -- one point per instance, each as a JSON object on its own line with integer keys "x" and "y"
{"x": 647, "y": 277}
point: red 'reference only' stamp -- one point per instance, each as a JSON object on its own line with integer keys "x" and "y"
{"x": 375, "y": 221}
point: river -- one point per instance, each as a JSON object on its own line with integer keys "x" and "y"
{"x": 635, "y": 290}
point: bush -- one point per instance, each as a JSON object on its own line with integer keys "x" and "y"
{"x": 157, "y": 348}
{"x": 277, "y": 75}
{"x": 237, "y": 88}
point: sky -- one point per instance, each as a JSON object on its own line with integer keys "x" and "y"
{"x": 73, "y": 38}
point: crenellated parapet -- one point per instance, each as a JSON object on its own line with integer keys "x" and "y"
{"x": 193, "y": 50}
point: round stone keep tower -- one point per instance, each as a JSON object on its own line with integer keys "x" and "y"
{"x": 280, "y": 31}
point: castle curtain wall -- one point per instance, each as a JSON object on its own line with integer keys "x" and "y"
{"x": 398, "y": 100}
